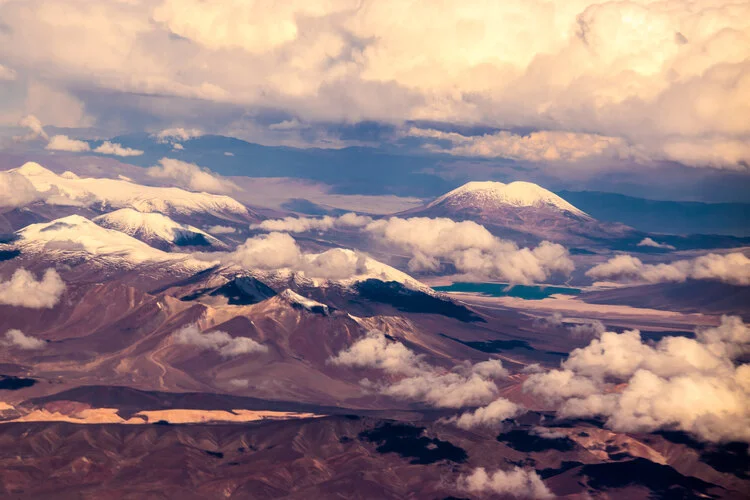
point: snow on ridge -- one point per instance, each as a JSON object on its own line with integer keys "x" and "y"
{"x": 149, "y": 225}
{"x": 77, "y": 234}
{"x": 491, "y": 194}
{"x": 309, "y": 304}
{"x": 120, "y": 193}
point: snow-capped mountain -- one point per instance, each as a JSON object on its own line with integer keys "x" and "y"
{"x": 522, "y": 211}
{"x": 489, "y": 195}
{"x": 297, "y": 300}
{"x": 157, "y": 230}
{"x": 80, "y": 243}
{"x": 102, "y": 194}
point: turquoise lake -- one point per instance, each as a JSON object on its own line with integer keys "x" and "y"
{"x": 529, "y": 292}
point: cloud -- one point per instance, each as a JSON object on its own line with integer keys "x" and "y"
{"x": 545, "y": 146}
{"x": 731, "y": 268}
{"x": 36, "y": 130}
{"x": 7, "y": 74}
{"x": 649, "y": 242}
{"x": 692, "y": 385}
{"x": 470, "y": 248}
{"x": 488, "y": 416}
{"x": 588, "y": 330}
{"x": 673, "y": 82}
{"x": 376, "y": 351}
{"x": 304, "y": 224}
{"x": 279, "y": 251}
{"x": 16, "y": 338}
{"x": 221, "y": 342}
{"x": 25, "y": 291}
{"x": 65, "y": 143}
{"x": 220, "y": 230}
{"x": 178, "y": 134}
{"x": 431, "y": 243}
{"x": 16, "y": 190}
{"x": 112, "y": 148}
{"x": 515, "y": 483}
{"x": 288, "y": 125}
{"x": 191, "y": 176}
{"x": 463, "y": 385}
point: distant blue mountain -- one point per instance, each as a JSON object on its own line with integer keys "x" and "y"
{"x": 362, "y": 170}
{"x": 355, "y": 170}
{"x": 671, "y": 217}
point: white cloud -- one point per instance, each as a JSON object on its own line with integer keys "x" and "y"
{"x": 487, "y": 416}
{"x": 650, "y": 242}
{"x": 36, "y": 130}
{"x": 7, "y": 74}
{"x": 218, "y": 341}
{"x": 191, "y": 176}
{"x": 468, "y": 246}
{"x": 304, "y": 224}
{"x": 693, "y": 385}
{"x": 673, "y": 81}
{"x": 376, "y": 351}
{"x": 24, "y": 290}
{"x": 16, "y": 338}
{"x": 731, "y": 268}
{"x": 178, "y": 134}
{"x": 16, "y": 190}
{"x": 279, "y": 251}
{"x": 65, "y": 143}
{"x": 220, "y": 230}
{"x": 514, "y": 483}
{"x": 471, "y": 249}
{"x": 112, "y": 148}
{"x": 545, "y": 146}
{"x": 463, "y": 385}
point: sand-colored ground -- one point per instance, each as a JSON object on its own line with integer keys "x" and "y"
{"x": 177, "y": 416}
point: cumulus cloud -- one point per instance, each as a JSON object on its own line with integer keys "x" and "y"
{"x": 468, "y": 246}
{"x": 16, "y": 190}
{"x": 731, "y": 268}
{"x": 694, "y": 385}
{"x": 275, "y": 251}
{"x": 218, "y": 341}
{"x": 465, "y": 384}
{"x": 190, "y": 176}
{"x": 24, "y": 290}
{"x": 488, "y": 416}
{"x": 672, "y": 82}
{"x": 16, "y": 338}
{"x": 650, "y": 242}
{"x": 220, "y": 230}
{"x": 304, "y": 224}
{"x": 113, "y": 148}
{"x": 178, "y": 134}
{"x": 36, "y": 130}
{"x": 515, "y": 483}
{"x": 65, "y": 143}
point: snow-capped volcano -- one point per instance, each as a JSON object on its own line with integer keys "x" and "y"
{"x": 157, "y": 229}
{"x": 489, "y": 195}
{"x": 104, "y": 194}
{"x": 523, "y": 212}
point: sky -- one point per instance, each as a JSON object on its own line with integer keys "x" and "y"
{"x": 571, "y": 89}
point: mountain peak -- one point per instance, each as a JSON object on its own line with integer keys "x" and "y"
{"x": 155, "y": 229}
{"x": 486, "y": 195}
